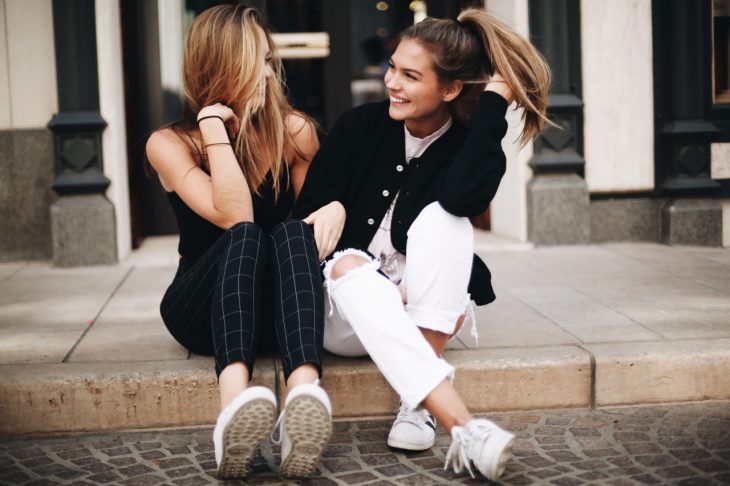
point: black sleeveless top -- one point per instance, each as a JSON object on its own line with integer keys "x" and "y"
{"x": 198, "y": 234}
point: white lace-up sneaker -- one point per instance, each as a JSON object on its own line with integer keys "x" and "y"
{"x": 306, "y": 426}
{"x": 414, "y": 429}
{"x": 241, "y": 427}
{"x": 482, "y": 443}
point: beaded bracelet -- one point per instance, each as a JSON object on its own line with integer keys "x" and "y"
{"x": 210, "y": 116}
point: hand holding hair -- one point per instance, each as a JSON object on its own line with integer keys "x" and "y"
{"x": 210, "y": 113}
{"x": 498, "y": 84}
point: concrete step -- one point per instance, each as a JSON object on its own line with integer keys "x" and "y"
{"x": 91, "y": 396}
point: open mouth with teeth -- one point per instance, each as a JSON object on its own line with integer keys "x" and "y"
{"x": 398, "y": 101}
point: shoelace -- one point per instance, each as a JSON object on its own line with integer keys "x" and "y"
{"x": 277, "y": 429}
{"x": 457, "y": 456}
{"x": 409, "y": 415}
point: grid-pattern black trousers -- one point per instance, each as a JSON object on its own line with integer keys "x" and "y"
{"x": 226, "y": 303}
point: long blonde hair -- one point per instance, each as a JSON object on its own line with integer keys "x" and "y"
{"x": 475, "y": 46}
{"x": 223, "y": 63}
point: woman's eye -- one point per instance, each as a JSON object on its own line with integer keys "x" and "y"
{"x": 410, "y": 76}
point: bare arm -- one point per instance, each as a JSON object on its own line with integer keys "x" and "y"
{"x": 304, "y": 135}
{"x": 223, "y": 198}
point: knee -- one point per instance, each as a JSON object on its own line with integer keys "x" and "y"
{"x": 285, "y": 230}
{"x": 345, "y": 264}
{"x": 245, "y": 230}
{"x": 433, "y": 219}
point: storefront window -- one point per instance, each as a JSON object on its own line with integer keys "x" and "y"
{"x": 721, "y": 50}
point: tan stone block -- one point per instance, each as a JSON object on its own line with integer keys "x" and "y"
{"x": 522, "y": 378}
{"x": 661, "y": 371}
{"x": 355, "y": 386}
{"x": 111, "y": 396}
{"x": 487, "y": 380}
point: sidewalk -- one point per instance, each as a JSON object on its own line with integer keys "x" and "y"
{"x": 572, "y": 327}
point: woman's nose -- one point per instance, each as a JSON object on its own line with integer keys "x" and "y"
{"x": 390, "y": 80}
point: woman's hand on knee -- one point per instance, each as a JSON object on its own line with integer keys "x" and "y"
{"x": 328, "y": 221}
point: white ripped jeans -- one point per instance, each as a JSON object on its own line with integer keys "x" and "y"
{"x": 365, "y": 314}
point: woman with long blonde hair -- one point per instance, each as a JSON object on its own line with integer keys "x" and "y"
{"x": 392, "y": 188}
{"x": 248, "y": 277}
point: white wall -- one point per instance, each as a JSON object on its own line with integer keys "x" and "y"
{"x": 509, "y": 207}
{"x": 111, "y": 106}
{"x": 28, "y": 96}
{"x": 170, "y": 20}
{"x": 618, "y": 94}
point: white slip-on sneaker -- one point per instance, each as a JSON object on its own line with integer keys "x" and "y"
{"x": 306, "y": 426}
{"x": 482, "y": 443}
{"x": 241, "y": 427}
{"x": 414, "y": 429}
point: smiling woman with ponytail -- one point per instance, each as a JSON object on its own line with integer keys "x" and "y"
{"x": 389, "y": 194}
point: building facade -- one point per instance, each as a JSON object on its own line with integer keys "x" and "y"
{"x": 640, "y": 100}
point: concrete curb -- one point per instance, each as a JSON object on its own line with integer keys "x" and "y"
{"x": 78, "y": 397}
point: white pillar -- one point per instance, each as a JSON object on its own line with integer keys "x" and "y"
{"x": 170, "y": 20}
{"x": 28, "y": 94}
{"x": 111, "y": 107}
{"x": 509, "y": 207}
{"x": 616, "y": 55}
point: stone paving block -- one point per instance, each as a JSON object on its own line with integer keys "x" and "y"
{"x": 680, "y": 321}
{"x": 585, "y": 318}
{"x": 522, "y": 378}
{"x": 22, "y": 347}
{"x": 140, "y": 294}
{"x": 42, "y": 298}
{"x": 8, "y": 269}
{"x": 507, "y": 322}
{"x": 594, "y": 261}
{"x": 661, "y": 371}
{"x": 107, "y": 395}
{"x": 155, "y": 251}
{"x": 128, "y": 341}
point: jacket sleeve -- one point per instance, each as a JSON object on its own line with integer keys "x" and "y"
{"x": 475, "y": 171}
{"x": 327, "y": 179}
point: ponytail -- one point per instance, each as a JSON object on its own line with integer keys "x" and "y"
{"x": 520, "y": 64}
{"x": 476, "y": 46}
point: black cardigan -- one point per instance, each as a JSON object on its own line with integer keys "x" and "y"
{"x": 361, "y": 163}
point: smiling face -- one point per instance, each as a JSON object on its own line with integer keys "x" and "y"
{"x": 417, "y": 97}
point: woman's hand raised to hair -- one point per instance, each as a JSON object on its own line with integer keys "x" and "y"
{"x": 497, "y": 84}
{"x": 328, "y": 222}
{"x": 225, "y": 113}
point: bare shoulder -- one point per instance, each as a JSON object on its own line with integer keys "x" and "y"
{"x": 163, "y": 142}
{"x": 169, "y": 155}
{"x": 303, "y": 131}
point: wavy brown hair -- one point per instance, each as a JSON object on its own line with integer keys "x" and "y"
{"x": 223, "y": 63}
{"x": 475, "y": 46}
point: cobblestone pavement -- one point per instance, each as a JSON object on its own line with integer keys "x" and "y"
{"x": 682, "y": 444}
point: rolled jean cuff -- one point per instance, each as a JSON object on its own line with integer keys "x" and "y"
{"x": 415, "y": 393}
{"x": 437, "y": 319}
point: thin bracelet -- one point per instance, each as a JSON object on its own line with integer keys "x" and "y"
{"x": 217, "y": 143}
{"x": 210, "y": 116}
